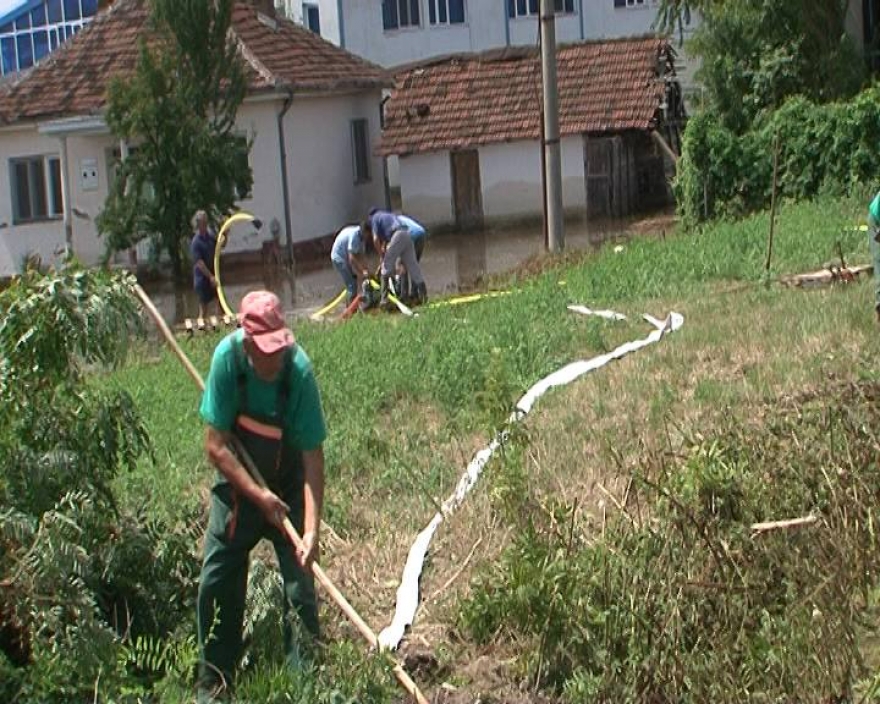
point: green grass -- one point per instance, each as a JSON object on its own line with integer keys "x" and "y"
{"x": 408, "y": 401}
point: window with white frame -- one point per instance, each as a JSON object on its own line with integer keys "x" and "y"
{"x": 525, "y": 8}
{"x": 397, "y": 14}
{"x": 446, "y": 11}
{"x": 360, "y": 147}
{"x": 312, "y": 17}
{"x": 36, "y": 188}
{"x": 634, "y": 3}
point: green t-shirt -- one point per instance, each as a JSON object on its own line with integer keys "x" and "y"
{"x": 303, "y": 425}
{"x": 874, "y": 209}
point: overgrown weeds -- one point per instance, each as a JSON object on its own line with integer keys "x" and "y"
{"x": 677, "y": 597}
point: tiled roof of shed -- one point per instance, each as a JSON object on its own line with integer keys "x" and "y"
{"x": 471, "y": 100}
{"x": 73, "y": 79}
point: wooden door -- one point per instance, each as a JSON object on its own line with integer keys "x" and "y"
{"x": 467, "y": 192}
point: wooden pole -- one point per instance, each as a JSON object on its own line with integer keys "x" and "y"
{"x": 320, "y": 576}
{"x": 772, "y": 203}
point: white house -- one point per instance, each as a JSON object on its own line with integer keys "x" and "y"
{"x": 397, "y": 32}
{"x": 467, "y": 131}
{"x": 312, "y": 110}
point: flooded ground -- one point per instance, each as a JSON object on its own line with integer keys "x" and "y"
{"x": 452, "y": 262}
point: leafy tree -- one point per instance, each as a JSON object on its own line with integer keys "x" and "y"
{"x": 757, "y": 53}
{"x": 77, "y": 574}
{"x": 178, "y": 111}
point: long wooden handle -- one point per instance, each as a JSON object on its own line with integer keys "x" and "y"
{"x": 292, "y": 535}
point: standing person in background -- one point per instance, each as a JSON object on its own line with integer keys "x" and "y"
{"x": 201, "y": 249}
{"x": 348, "y": 258}
{"x": 393, "y": 242}
{"x": 874, "y": 244}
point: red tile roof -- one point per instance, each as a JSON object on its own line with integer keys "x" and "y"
{"x": 282, "y": 55}
{"x": 471, "y": 100}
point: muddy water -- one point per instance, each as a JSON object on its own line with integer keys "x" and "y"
{"x": 451, "y": 262}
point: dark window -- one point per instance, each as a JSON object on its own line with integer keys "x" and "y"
{"x": 400, "y": 13}
{"x": 41, "y": 44}
{"x": 6, "y": 28}
{"x": 71, "y": 10}
{"x": 7, "y": 50}
{"x": 23, "y": 22}
{"x": 242, "y": 164}
{"x": 33, "y": 197}
{"x": 90, "y": 8}
{"x": 54, "y": 8}
{"x": 360, "y": 144}
{"x": 312, "y": 17}
{"x": 53, "y": 39}
{"x": 25, "y": 51}
{"x": 38, "y": 16}
{"x": 446, "y": 11}
{"x": 523, "y": 8}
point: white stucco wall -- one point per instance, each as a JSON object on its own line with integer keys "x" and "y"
{"x": 510, "y": 175}
{"x": 524, "y": 30}
{"x": 46, "y": 237}
{"x": 426, "y": 188}
{"x": 320, "y": 161}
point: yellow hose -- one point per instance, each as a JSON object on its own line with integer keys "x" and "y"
{"x": 318, "y": 314}
{"x": 240, "y": 216}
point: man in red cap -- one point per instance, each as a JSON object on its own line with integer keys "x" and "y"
{"x": 261, "y": 389}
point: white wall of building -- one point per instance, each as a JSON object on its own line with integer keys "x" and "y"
{"x": 510, "y": 176}
{"x": 320, "y": 175}
{"x": 320, "y": 161}
{"x": 426, "y": 188}
{"x": 45, "y": 238}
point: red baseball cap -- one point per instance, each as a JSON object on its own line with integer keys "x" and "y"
{"x": 262, "y": 318}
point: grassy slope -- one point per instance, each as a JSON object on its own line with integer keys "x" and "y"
{"x": 408, "y": 401}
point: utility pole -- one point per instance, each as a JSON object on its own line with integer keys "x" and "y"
{"x": 551, "y": 155}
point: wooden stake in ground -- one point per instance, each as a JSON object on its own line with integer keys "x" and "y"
{"x": 772, "y": 203}
{"x": 320, "y": 576}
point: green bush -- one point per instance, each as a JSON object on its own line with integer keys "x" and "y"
{"x": 823, "y": 149}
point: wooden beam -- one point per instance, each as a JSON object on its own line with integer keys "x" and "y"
{"x": 664, "y": 145}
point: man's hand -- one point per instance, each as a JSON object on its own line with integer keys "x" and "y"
{"x": 213, "y": 280}
{"x": 309, "y": 553}
{"x": 274, "y": 510}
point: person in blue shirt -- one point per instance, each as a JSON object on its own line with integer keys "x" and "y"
{"x": 417, "y": 232}
{"x": 202, "y": 248}
{"x": 392, "y": 241}
{"x": 348, "y": 259}
{"x": 874, "y": 245}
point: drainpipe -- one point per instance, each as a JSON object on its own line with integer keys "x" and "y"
{"x": 506, "y": 23}
{"x": 581, "y": 13}
{"x": 65, "y": 197}
{"x": 386, "y": 180}
{"x": 340, "y": 19}
{"x": 282, "y": 153}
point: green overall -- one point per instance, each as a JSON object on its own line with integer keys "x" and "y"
{"x": 234, "y": 528}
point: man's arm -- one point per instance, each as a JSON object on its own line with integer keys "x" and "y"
{"x": 313, "y": 461}
{"x": 201, "y": 266}
{"x": 358, "y": 266}
{"x": 273, "y": 508}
